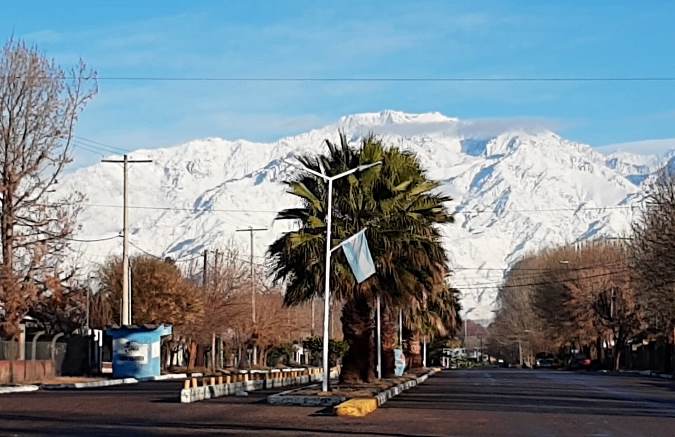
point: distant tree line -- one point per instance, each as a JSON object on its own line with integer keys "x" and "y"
{"x": 602, "y": 297}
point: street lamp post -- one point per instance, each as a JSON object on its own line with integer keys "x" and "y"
{"x": 326, "y": 300}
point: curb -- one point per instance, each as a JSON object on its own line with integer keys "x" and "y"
{"x": 169, "y": 377}
{"x": 400, "y": 388}
{"x": 359, "y": 407}
{"x": 288, "y": 398}
{"x": 647, "y": 373}
{"x": 93, "y": 384}
{"x": 18, "y": 389}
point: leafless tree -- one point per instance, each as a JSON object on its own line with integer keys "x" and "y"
{"x": 652, "y": 252}
{"x": 576, "y": 296}
{"x": 39, "y": 107}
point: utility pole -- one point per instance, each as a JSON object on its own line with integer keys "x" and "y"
{"x": 88, "y": 308}
{"x": 251, "y": 230}
{"x": 216, "y": 271}
{"x": 400, "y": 328}
{"x": 311, "y": 331}
{"x": 424, "y": 352}
{"x": 204, "y": 267}
{"x": 126, "y": 296}
{"x": 379, "y": 337}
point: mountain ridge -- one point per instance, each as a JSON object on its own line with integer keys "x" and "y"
{"x": 514, "y": 192}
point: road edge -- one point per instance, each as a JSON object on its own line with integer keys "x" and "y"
{"x": 359, "y": 407}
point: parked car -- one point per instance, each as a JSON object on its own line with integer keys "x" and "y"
{"x": 544, "y": 363}
{"x": 580, "y": 362}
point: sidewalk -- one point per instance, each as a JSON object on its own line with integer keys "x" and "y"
{"x": 6, "y": 389}
{"x": 647, "y": 373}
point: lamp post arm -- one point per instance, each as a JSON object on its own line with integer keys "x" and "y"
{"x": 344, "y": 173}
{"x": 354, "y": 170}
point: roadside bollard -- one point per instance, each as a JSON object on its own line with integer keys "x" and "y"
{"x": 212, "y": 381}
{"x": 205, "y": 382}
{"x": 194, "y": 383}
{"x": 227, "y": 379}
{"x": 186, "y": 384}
{"x": 220, "y": 379}
{"x": 245, "y": 377}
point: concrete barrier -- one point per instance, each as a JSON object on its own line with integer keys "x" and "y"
{"x": 250, "y": 381}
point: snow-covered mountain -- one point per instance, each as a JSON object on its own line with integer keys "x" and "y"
{"x": 514, "y": 192}
{"x": 637, "y": 167}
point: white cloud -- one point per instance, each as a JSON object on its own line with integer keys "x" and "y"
{"x": 487, "y": 127}
{"x": 643, "y": 147}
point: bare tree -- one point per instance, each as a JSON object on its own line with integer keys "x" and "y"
{"x": 652, "y": 251}
{"x": 39, "y": 107}
{"x": 578, "y": 296}
{"x": 160, "y": 293}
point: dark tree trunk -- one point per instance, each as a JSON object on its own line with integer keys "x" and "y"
{"x": 357, "y": 327}
{"x": 389, "y": 329}
{"x": 414, "y": 350}
{"x": 619, "y": 343}
{"x": 192, "y": 354}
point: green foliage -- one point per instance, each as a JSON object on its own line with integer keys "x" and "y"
{"x": 281, "y": 354}
{"x": 397, "y": 204}
{"x": 314, "y": 345}
{"x": 401, "y": 210}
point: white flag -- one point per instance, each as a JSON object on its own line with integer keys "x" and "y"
{"x": 358, "y": 255}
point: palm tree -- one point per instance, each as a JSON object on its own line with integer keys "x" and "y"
{"x": 438, "y": 315}
{"x": 400, "y": 208}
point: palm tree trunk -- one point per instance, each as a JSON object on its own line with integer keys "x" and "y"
{"x": 357, "y": 327}
{"x": 389, "y": 329}
{"x": 414, "y": 349}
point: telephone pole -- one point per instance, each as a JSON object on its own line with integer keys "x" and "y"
{"x": 251, "y": 230}
{"x": 204, "y": 267}
{"x": 126, "y": 297}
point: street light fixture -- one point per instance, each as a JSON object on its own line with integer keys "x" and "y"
{"x": 329, "y": 212}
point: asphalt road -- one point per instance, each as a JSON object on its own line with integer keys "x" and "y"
{"x": 474, "y": 402}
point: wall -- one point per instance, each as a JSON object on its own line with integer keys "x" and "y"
{"x": 19, "y": 372}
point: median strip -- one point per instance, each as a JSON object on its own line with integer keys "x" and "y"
{"x": 241, "y": 383}
{"x": 354, "y": 400}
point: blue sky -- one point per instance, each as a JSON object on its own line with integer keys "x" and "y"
{"x": 288, "y": 38}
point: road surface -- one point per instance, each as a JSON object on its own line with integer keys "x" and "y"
{"x": 495, "y": 402}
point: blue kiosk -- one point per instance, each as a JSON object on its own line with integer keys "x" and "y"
{"x": 137, "y": 350}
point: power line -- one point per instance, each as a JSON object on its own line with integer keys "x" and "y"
{"x": 145, "y": 251}
{"x": 503, "y": 286}
{"x": 93, "y": 151}
{"x": 100, "y": 145}
{"x": 538, "y": 269}
{"x": 198, "y": 210}
{"x": 378, "y": 79}
{"x": 96, "y": 240}
{"x": 589, "y": 208}
{"x": 173, "y": 208}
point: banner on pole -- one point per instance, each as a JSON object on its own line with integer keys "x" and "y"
{"x": 358, "y": 255}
